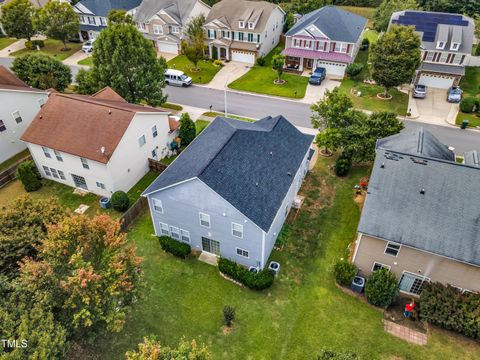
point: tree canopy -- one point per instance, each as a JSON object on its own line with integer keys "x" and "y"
{"x": 384, "y": 12}
{"x": 194, "y": 44}
{"x": 187, "y": 130}
{"x": 150, "y": 349}
{"x": 119, "y": 17}
{"x": 17, "y": 19}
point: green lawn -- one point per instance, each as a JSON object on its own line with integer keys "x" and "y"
{"x": 86, "y": 62}
{"x": 474, "y": 119}
{"x": 53, "y": 48}
{"x": 214, "y": 114}
{"x": 171, "y": 106}
{"x": 366, "y": 12}
{"x": 9, "y": 162}
{"x": 201, "y": 125}
{"x": 470, "y": 84}
{"x": 260, "y": 80}
{"x": 303, "y": 312}
{"x": 368, "y": 99}
{"x": 135, "y": 192}
{"x": 5, "y": 41}
{"x": 371, "y": 35}
{"x": 204, "y": 76}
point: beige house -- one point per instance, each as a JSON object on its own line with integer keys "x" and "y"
{"x": 163, "y": 21}
{"x": 421, "y": 215}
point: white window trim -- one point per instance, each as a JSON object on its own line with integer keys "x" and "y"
{"x": 454, "y": 46}
{"x": 425, "y": 279}
{"x": 175, "y": 230}
{"x": 175, "y": 30}
{"x": 241, "y": 24}
{"x": 46, "y": 170}
{"x": 200, "y": 220}
{"x": 58, "y": 155}
{"x": 85, "y": 163}
{"x": 440, "y": 46}
{"x": 159, "y": 28}
{"x": 46, "y": 152}
{"x": 154, "y": 206}
{"x": 391, "y": 242}
{"x": 248, "y": 252}
{"x": 166, "y": 228}
{"x": 144, "y": 140}
{"x": 241, "y": 226}
{"x": 183, "y": 231}
{"x": 388, "y": 267}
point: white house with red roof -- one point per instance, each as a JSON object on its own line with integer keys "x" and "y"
{"x": 99, "y": 143}
{"x": 329, "y": 37}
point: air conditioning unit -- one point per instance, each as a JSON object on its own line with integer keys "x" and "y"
{"x": 298, "y": 201}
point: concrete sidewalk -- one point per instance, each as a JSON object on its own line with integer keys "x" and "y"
{"x": 18, "y": 45}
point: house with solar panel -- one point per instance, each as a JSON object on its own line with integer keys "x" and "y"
{"x": 420, "y": 219}
{"x": 446, "y": 45}
{"x": 329, "y": 37}
{"x": 229, "y": 192}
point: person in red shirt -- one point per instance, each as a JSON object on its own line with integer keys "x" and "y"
{"x": 409, "y": 309}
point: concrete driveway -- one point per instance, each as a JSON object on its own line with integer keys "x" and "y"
{"x": 167, "y": 56}
{"x": 75, "y": 58}
{"x": 228, "y": 73}
{"x": 434, "y": 109}
{"x": 316, "y": 92}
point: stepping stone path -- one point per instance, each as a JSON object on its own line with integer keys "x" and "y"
{"x": 405, "y": 333}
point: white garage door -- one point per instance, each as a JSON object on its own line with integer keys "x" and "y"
{"x": 243, "y": 56}
{"x": 436, "y": 81}
{"x": 167, "y": 47}
{"x": 332, "y": 68}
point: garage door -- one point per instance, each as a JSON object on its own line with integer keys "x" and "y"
{"x": 167, "y": 47}
{"x": 243, "y": 56}
{"x": 436, "y": 81}
{"x": 332, "y": 68}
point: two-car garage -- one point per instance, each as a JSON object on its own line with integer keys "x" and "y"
{"x": 333, "y": 68}
{"x": 167, "y": 47}
{"x": 439, "y": 81}
{"x": 243, "y": 56}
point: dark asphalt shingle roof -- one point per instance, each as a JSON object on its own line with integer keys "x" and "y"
{"x": 251, "y": 165}
{"x": 336, "y": 23}
{"x": 445, "y": 220}
{"x": 103, "y": 7}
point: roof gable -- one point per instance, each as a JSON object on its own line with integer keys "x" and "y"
{"x": 179, "y": 10}
{"x": 8, "y": 81}
{"x": 103, "y": 7}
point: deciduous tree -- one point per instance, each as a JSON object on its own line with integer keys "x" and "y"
{"x": 194, "y": 44}
{"x": 150, "y": 349}
{"x": 384, "y": 12}
{"x": 17, "y": 19}
{"x": 187, "y": 130}
{"x": 119, "y": 17}
{"x": 278, "y": 61}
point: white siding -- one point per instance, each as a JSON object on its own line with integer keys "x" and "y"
{"x": 273, "y": 36}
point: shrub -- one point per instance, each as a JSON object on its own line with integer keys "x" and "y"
{"x": 336, "y": 355}
{"x": 228, "y": 315}
{"x": 28, "y": 174}
{"x": 382, "y": 288}
{"x": 354, "y": 69}
{"x": 468, "y": 104}
{"x": 218, "y": 63}
{"x": 256, "y": 281}
{"x": 477, "y": 50}
{"x": 187, "y": 131}
{"x": 344, "y": 272}
{"x": 175, "y": 247}
{"x": 447, "y": 307}
{"x": 365, "y": 42}
{"x": 120, "y": 201}
{"x": 32, "y": 45}
{"x": 343, "y": 165}
{"x": 261, "y": 61}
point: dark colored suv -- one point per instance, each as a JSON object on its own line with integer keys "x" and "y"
{"x": 317, "y": 76}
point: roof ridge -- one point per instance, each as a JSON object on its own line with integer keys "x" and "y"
{"x": 102, "y": 102}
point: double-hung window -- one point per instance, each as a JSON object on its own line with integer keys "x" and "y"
{"x": 164, "y": 229}
{"x": 62, "y": 175}
{"x": 142, "y": 141}
{"x": 85, "y": 163}
{"x": 204, "y": 220}
{"x": 46, "y": 152}
{"x": 101, "y": 185}
{"x": 429, "y": 56}
{"x": 237, "y": 230}
{"x": 54, "y": 173}
{"x": 392, "y": 249}
{"x": 158, "y": 29}
{"x": 154, "y": 131}
{"x": 250, "y": 37}
{"x": 175, "y": 232}
{"x": 58, "y": 155}
{"x": 242, "y": 253}
{"x": 185, "y": 235}
{"x": 378, "y": 266}
{"x": 2, "y": 126}
{"x": 175, "y": 30}
{"x": 17, "y": 117}
{"x": 157, "y": 205}
{"x": 46, "y": 170}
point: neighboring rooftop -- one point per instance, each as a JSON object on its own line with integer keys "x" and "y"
{"x": 8, "y": 81}
{"x": 251, "y": 165}
{"x": 334, "y": 22}
{"x": 83, "y": 125}
{"x": 179, "y": 10}
{"x": 422, "y": 200}
{"x": 103, "y": 7}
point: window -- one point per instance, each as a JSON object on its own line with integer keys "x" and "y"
{"x": 17, "y": 117}
{"x": 241, "y": 24}
{"x": 142, "y": 26}
{"x": 341, "y": 47}
{"x": 412, "y": 283}
{"x": 185, "y": 235}
{"x": 242, "y": 253}
{"x": 46, "y": 152}
{"x": 443, "y": 57}
{"x": 54, "y": 173}
{"x": 164, "y": 229}
{"x": 142, "y": 141}
{"x": 157, "y": 205}
{"x": 429, "y": 56}
{"x": 392, "y": 249}
{"x": 440, "y": 45}
{"x": 175, "y": 232}
{"x": 62, "y": 175}
{"x": 240, "y": 36}
{"x": 456, "y": 59}
{"x": 58, "y": 155}
{"x": 175, "y": 30}
{"x": 454, "y": 46}
{"x": 154, "y": 154}
{"x": 251, "y": 25}
{"x": 250, "y": 37}
{"x": 103, "y": 21}
{"x": 211, "y": 34}
{"x": 204, "y": 220}
{"x": 154, "y": 131}
{"x": 101, "y": 185}
{"x": 158, "y": 29}
{"x": 82, "y": 19}
{"x": 46, "y": 170}
{"x": 237, "y": 230}
{"x": 91, "y": 20}
{"x": 378, "y": 266}
{"x": 2, "y": 126}
{"x": 85, "y": 163}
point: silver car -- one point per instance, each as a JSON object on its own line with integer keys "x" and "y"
{"x": 420, "y": 91}
{"x": 454, "y": 94}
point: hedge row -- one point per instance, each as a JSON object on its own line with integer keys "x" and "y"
{"x": 256, "y": 281}
{"x": 175, "y": 247}
{"x": 447, "y": 307}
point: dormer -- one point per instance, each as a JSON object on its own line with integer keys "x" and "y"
{"x": 440, "y": 45}
{"x": 251, "y": 25}
{"x": 241, "y": 24}
{"x": 442, "y": 36}
{"x": 456, "y": 39}
{"x": 454, "y": 46}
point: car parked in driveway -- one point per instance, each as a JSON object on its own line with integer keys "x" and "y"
{"x": 454, "y": 94}
{"x": 317, "y": 76}
{"x": 88, "y": 46}
{"x": 419, "y": 92}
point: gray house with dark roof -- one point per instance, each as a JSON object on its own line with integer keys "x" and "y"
{"x": 229, "y": 192}
{"x": 421, "y": 215}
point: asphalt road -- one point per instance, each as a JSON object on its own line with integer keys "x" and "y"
{"x": 298, "y": 113}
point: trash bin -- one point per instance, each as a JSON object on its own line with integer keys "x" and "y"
{"x": 105, "y": 203}
{"x": 464, "y": 124}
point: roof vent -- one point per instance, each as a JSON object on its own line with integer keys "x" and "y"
{"x": 422, "y": 191}
{"x": 109, "y": 111}
{"x": 41, "y": 116}
{"x": 383, "y": 165}
{"x": 271, "y": 153}
{"x": 102, "y": 150}
{"x": 256, "y": 184}
{"x": 289, "y": 173}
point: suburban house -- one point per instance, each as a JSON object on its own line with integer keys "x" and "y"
{"x": 99, "y": 143}
{"x": 242, "y": 30}
{"x": 19, "y": 105}
{"x": 93, "y": 14}
{"x": 36, "y": 3}
{"x": 446, "y": 45}
{"x": 420, "y": 219}
{"x": 229, "y": 192}
{"x": 163, "y": 21}
{"x": 329, "y": 37}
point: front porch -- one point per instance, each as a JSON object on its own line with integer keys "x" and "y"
{"x": 220, "y": 52}
{"x": 298, "y": 64}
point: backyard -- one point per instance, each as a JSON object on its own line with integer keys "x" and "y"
{"x": 366, "y": 12}
{"x": 6, "y": 41}
{"x": 9, "y": 162}
{"x": 302, "y": 313}
{"x": 53, "y": 48}
{"x": 470, "y": 84}
{"x": 260, "y": 80}
{"x": 207, "y": 69}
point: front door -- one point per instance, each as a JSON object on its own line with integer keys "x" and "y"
{"x": 211, "y": 246}
{"x": 309, "y": 63}
{"x": 79, "y": 182}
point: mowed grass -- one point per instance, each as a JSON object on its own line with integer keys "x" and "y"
{"x": 6, "y": 41}
{"x": 204, "y": 76}
{"x": 9, "y": 162}
{"x": 366, "y": 12}
{"x": 260, "y": 79}
{"x": 302, "y": 313}
{"x": 470, "y": 85}
{"x": 214, "y": 114}
{"x": 86, "y": 62}
{"x": 201, "y": 125}
{"x": 53, "y": 48}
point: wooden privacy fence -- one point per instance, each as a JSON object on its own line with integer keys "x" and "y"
{"x": 132, "y": 214}
{"x": 156, "y": 166}
{"x": 9, "y": 175}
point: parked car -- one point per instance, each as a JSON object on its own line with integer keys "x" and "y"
{"x": 177, "y": 77}
{"x": 317, "y": 76}
{"x": 88, "y": 46}
{"x": 454, "y": 94}
{"x": 420, "y": 91}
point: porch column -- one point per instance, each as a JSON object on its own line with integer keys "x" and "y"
{"x": 227, "y": 55}
{"x": 210, "y": 51}
{"x": 300, "y": 67}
